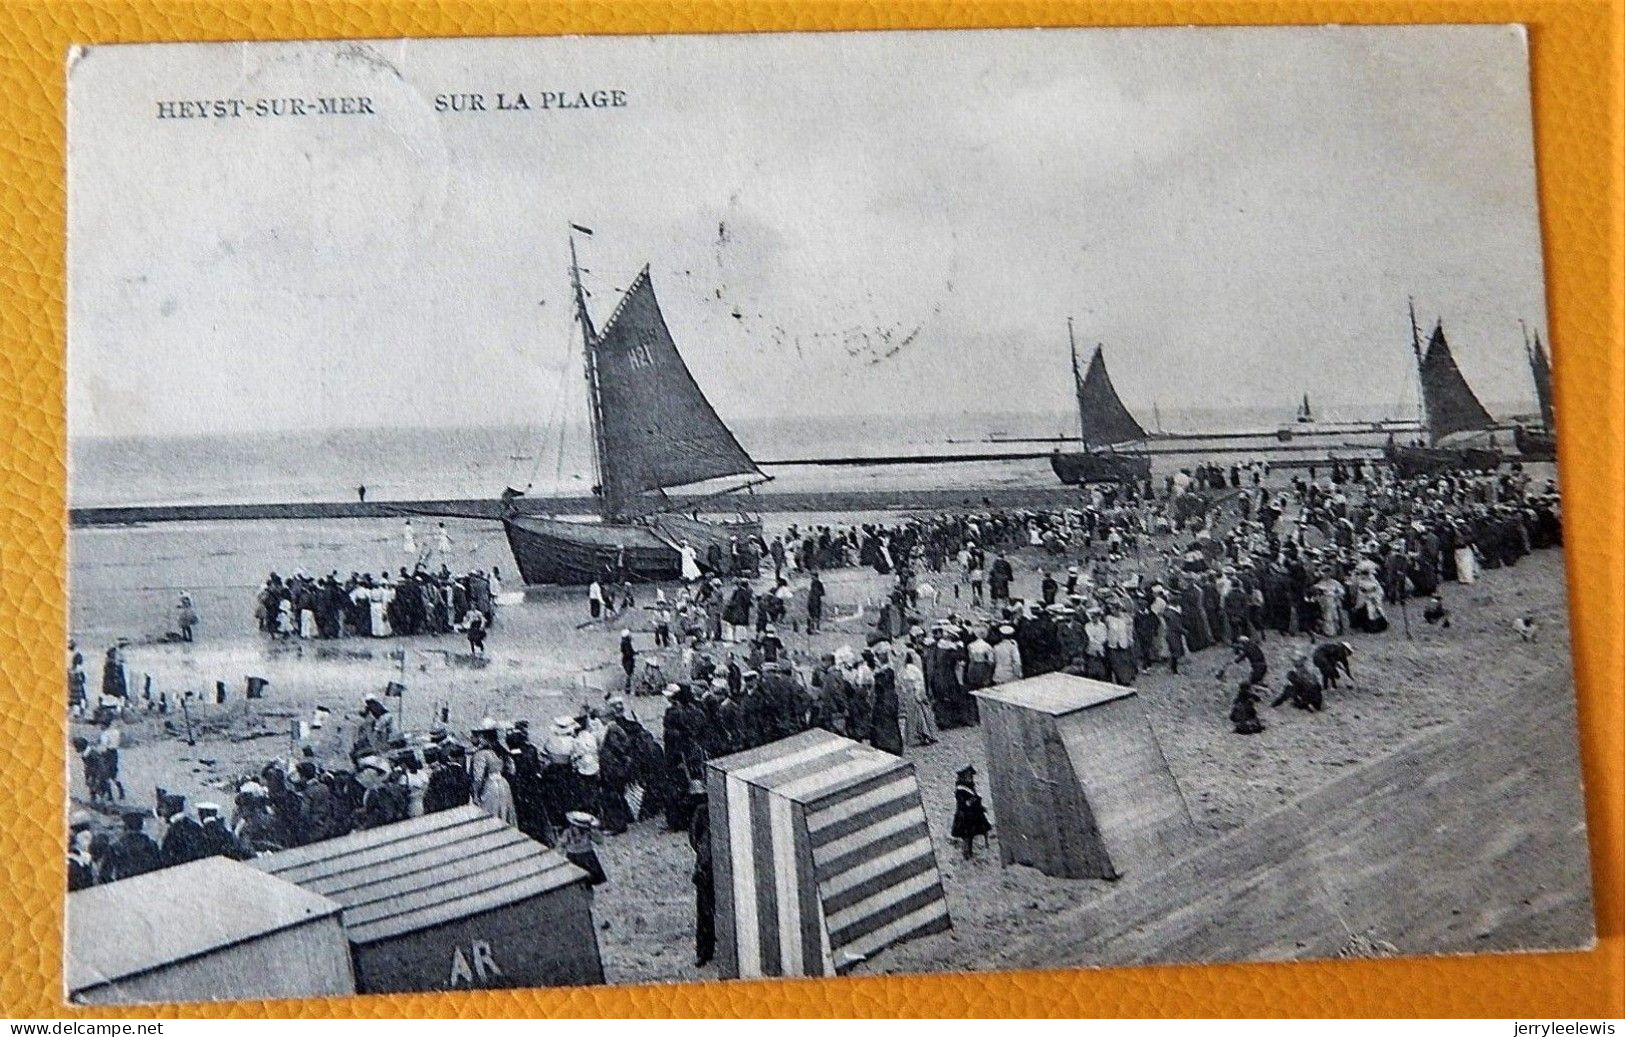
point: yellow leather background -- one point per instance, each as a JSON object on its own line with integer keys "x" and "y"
{"x": 1577, "y": 60}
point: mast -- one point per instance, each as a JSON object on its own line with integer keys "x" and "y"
{"x": 1077, "y": 379}
{"x": 1416, "y": 348}
{"x": 606, "y": 507}
{"x": 1534, "y": 371}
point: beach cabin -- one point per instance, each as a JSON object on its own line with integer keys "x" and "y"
{"x": 1078, "y": 785}
{"x": 821, "y": 855}
{"x": 452, "y": 900}
{"x": 211, "y": 930}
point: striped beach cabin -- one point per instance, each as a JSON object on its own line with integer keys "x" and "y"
{"x": 821, "y": 855}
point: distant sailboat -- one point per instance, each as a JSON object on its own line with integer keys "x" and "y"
{"x": 1106, "y": 424}
{"x": 1539, "y": 444}
{"x": 1305, "y": 415}
{"x": 653, "y": 429}
{"x": 1450, "y": 411}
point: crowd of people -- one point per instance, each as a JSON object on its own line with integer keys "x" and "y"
{"x": 419, "y": 601}
{"x": 1125, "y": 581}
{"x": 588, "y": 772}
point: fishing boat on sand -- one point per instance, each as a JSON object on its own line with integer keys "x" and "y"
{"x": 1107, "y": 425}
{"x": 1453, "y": 419}
{"x": 652, "y": 429}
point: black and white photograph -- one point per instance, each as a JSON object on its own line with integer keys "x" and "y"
{"x": 549, "y": 512}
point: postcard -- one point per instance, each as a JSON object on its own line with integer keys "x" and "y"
{"x": 567, "y": 511}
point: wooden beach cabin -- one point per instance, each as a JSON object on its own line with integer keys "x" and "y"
{"x": 452, "y": 900}
{"x": 1078, "y": 783}
{"x": 821, "y": 855}
{"x": 211, "y": 930}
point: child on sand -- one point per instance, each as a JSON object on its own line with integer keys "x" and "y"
{"x": 576, "y": 843}
{"x": 970, "y": 816}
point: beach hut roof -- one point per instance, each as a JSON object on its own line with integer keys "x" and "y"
{"x": 122, "y": 929}
{"x": 808, "y": 767}
{"x": 1056, "y": 693}
{"x": 425, "y": 872}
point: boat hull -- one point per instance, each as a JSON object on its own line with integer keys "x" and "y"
{"x": 1535, "y": 446}
{"x": 554, "y": 551}
{"x": 1411, "y": 461}
{"x": 1078, "y": 468}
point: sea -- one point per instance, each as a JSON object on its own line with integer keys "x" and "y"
{"x": 308, "y": 465}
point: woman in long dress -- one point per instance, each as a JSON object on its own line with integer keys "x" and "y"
{"x": 378, "y": 601}
{"x": 914, "y": 702}
{"x": 1328, "y": 594}
{"x": 487, "y": 775}
{"x": 1367, "y": 613}
{"x": 1466, "y": 558}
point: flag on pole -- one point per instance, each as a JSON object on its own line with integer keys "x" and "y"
{"x": 585, "y": 230}
{"x": 394, "y": 690}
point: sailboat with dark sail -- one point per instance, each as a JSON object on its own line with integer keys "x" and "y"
{"x": 652, "y": 430}
{"x": 1538, "y": 444}
{"x": 1106, "y": 425}
{"x": 1451, "y": 415}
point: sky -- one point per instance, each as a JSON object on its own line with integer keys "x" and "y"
{"x": 867, "y": 223}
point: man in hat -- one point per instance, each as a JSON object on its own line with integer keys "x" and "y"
{"x": 1302, "y": 687}
{"x": 756, "y": 721}
{"x": 970, "y": 816}
{"x": 375, "y": 731}
{"x": 135, "y": 852}
{"x": 221, "y": 840}
{"x": 81, "y": 856}
{"x": 1332, "y": 658}
{"x": 1436, "y": 614}
{"x": 999, "y": 578}
{"x": 528, "y": 785}
{"x": 885, "y": 713}
{"x": 815, "y": 604}
{"x": 1244, "y": 711}
{"x": 1246, "y": 649}
{"x": 828, "y": 696}
{"x": 617, "y": 768}
{"x": 383, "y": 801}
{"x": 979, "y": 664}
{"x": 705, "y": 894}
{"x": 1119, "y": 644}
{"x": 1173, "y": 629}
{"x": 448, "y": 786}
{"x": 588, "y": 770}
{"x": 770, "y": 645}
{"x": 1006, "y": 656}
{"x": 184, "y": 841}
{"x": 684, "y": 757}
{"x": 629, "y": 658}
{"x": 736, "y": 613}
{"x": 945, "y": 664}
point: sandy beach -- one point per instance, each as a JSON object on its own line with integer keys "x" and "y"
{"x": 1452, "y": 688}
